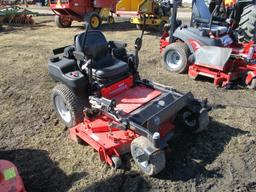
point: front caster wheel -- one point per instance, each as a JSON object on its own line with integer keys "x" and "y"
{"x": 149, "y": 164}
{"x": 193, "y": 120}
{"x": 117, "y": 162}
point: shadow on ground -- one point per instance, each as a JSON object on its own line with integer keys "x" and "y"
{"x": 12, "y": 28}
{"x": 187, "y": 159}
{"x": 119, "y": 26}
{"x": 39, "y": 172}
{"x": 189, "y": 154}
{"x": 131, "y": 182}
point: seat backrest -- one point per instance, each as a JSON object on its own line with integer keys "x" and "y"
{"x": 92, "y": 43}
{"x": 200, "y": 10}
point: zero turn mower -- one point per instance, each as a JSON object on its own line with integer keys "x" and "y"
{"x": 105, "y": 103}
{"x": 208, "y": 49}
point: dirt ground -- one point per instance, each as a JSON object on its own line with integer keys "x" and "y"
{"x": 221, "y": 159}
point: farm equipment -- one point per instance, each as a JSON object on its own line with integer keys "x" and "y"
{"x": 210, "y": 50}
{"x": 150, "y": 12}
{"x": 16, "y": 15}
{"x": 10, "y": 179}
{"x": 92, "y": 12}
{"x": 105, "y": 103}
{"x": 242, "y": 13}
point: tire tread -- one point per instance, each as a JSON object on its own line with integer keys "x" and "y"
{"x": 247, "y": 24}
{"x": 75, "y": 103}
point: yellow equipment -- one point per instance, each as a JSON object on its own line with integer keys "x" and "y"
{"x": 139, "y": 10}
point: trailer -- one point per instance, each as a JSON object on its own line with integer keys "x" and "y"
{"x": 151, "y": 12}
{"x": 92, "y": 12}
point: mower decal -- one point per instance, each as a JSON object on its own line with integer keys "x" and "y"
{"x": 9, "y": 174}
{"x": 94, "y": 137}
{"x": 193, "y": 44}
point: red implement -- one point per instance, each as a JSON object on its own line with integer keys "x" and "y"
{"x": 10, "y": 180}
{"x": 109, "y": 142}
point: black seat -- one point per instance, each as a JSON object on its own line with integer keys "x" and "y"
{"x": 95, "y": 46}
{"x": 195, "y": 33}
{"x": 109, "y": 67}
{"x": 201, "y": 16}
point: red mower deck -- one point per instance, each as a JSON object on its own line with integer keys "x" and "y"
{"x": 236, "y": 68}
{"x": 98, "y": 135}
{"x": 105, "y": 139}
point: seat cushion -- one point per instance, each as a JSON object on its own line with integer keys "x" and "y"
{"x": 217, "y": 29}
{"x": 109, "y": 67}
{"x": 195, "y": 34}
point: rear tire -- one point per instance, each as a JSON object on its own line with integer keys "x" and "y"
{"x": 93, "y": 20}
{"x": 175, "y": 57}
{"x": 247, "y": 24}
{"x": 62, "y": 22}
{"x": 67, "y": 105}
{"x": 117, "y": 162}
